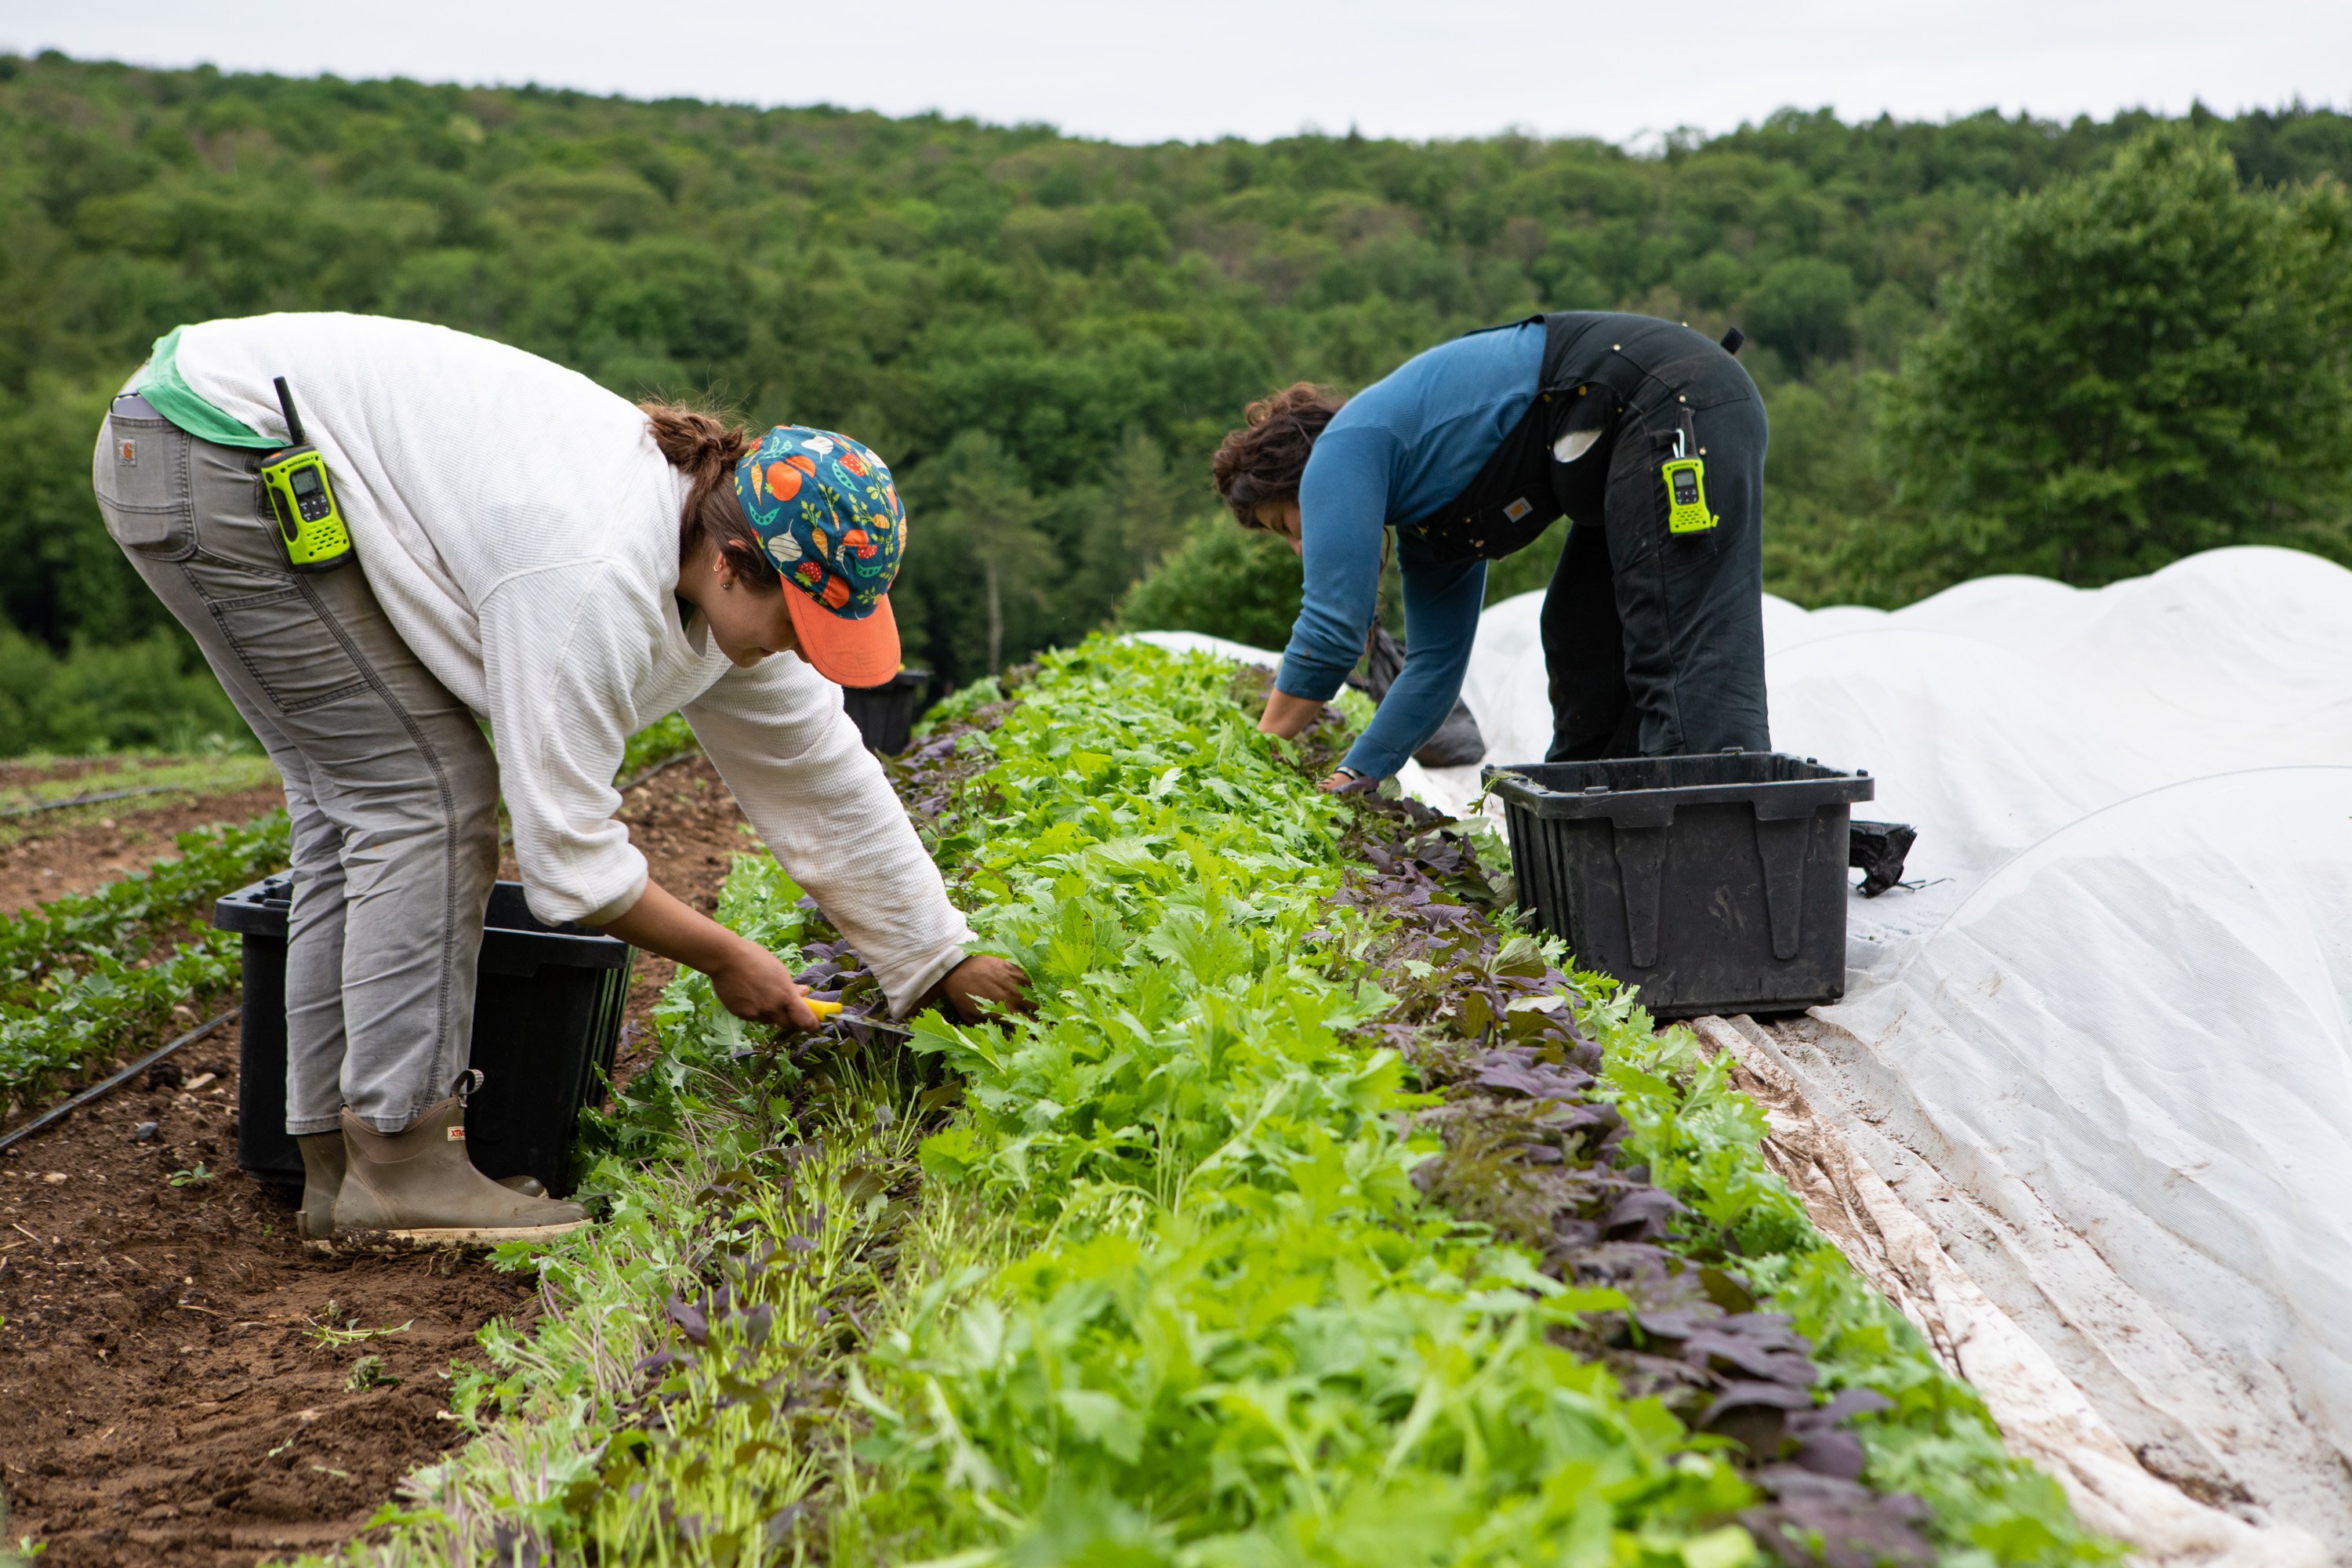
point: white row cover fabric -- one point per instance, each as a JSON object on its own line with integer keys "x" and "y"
{"x": 2124, "y": 1058}
{"x": 1201, "y": 642}
{"x": 2101, "y": 1042}
{"x": 2043, "y": 1415}
{"x": 2104, "y": 1045}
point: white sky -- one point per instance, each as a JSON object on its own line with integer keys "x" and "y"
{"x": 1195, "y": 70}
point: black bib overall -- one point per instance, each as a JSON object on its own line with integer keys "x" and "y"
{"x": 1653, "y": 641}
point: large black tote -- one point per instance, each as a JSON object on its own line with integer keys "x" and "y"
{"x": 547, "y": 1019}
{"x": 1715, "y": 883}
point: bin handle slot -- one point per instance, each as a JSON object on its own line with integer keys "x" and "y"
{"x": 1781, "y": 845}
{"x": 1641, "y": 876}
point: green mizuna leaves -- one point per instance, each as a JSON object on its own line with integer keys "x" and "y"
{"x": 1244, "y": 1336}
{"x": 1315, "y": 1217}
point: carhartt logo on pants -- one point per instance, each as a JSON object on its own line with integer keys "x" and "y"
{"x": 126, "y": 452}
{"x": 456, "y": 1135}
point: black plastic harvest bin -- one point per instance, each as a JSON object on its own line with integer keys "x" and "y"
{"x": 885, "y": 715}
{"x": 547, "y": 1016}
{"x": 1715, "y": 883}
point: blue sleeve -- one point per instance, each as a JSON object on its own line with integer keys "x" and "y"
{"x": 1343, "y": 502}
{"x": 1442, "y": 602}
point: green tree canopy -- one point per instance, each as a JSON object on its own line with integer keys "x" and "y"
{"x": 984, "y": 555}
{"x": 1223, "y": 581}
{"x": 1804, "y": 307}
{"x": 1091, "y": 308}
{"x": 2135, "y": 365}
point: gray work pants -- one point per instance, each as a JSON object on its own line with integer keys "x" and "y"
{"x": 393, "y": 789}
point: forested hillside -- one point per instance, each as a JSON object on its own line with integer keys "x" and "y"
{"x": 1044, "y": 336}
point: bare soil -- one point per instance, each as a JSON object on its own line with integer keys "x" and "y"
{"x": 81, "y": 859}
{"x": 168, "y": 1399}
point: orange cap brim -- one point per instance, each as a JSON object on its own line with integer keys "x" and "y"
{"x": 847, "y": 653}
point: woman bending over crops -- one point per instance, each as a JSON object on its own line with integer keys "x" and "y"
{"x": 533, "y": 550}
{"x": 1647, "y": 435}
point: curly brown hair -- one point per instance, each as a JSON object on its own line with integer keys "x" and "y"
{"x": 706, "y": 448}
{"x": 1263, "y": 461}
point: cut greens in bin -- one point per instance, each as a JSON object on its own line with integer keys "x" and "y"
{"x": 1319, "y": 1214}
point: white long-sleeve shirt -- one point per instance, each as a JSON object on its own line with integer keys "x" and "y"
{"x": 519, "y": 527}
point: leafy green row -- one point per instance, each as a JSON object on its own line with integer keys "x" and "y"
{"x": 1167, "y": 1293}
{"x": 709, "y": 1159}
{"x": 1702, "y": 1140}
{"x": 1244, "y": 1336}
{"x": 90, "y": 1015}
{"x": 76, "y": 980}
{"x": 1282, "y": 1223}
{"x": 657, "y": 742}
{"x": 126, "y": 917}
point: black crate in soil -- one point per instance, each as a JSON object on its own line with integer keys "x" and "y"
{"x": 547, "y": 1018}
{"x": 1716, "y": 883}
{"x": 885, "y": 715}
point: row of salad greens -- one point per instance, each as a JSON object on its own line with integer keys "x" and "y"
{"x": 1243, "y": 1335}
{"x": 642, "y": 1418}
{"x": 1164, "y": 1287}
{"x": 1937, "y": 1442}
{"x": 81, "y": 977}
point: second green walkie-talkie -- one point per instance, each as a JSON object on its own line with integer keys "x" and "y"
{"x": 309, "y": 525}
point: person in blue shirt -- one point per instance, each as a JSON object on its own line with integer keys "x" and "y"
{"x": 1652, "y": 626}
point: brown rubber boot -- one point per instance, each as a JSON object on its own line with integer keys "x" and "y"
{"x": 322, "y": 1183}
{"x": 419, "y": 1187}
{"x": 323, "y": 1180}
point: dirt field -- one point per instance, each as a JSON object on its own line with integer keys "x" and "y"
{"x": 169, "y": 1399}
{"x": 35, "y": 869}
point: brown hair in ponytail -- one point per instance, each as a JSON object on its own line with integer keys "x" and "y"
{"x": 706, "y": 448}
{"x": 1263, "y": 461}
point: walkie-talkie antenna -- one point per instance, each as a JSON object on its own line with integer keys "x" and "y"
{"x": 293, "y": 420}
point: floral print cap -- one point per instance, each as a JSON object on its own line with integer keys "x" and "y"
{"x": 830, "y": 518}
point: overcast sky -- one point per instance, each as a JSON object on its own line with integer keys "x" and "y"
{"x": 1195, "y": 70}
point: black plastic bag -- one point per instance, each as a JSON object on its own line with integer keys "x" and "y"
{"x": 1877, "y": 849}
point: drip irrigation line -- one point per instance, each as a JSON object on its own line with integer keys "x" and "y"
{"x": 49, "y": 1118}
{"x": 94, "y": 799}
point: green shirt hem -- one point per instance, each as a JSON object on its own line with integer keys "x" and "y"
{"x": 168, "y": 392}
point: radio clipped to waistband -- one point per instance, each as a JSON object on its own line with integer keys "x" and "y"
{"x": 1685, "y": 477}
{"x": 310, "y": 525}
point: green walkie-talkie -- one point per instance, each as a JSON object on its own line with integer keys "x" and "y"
{"x": 310, "y": 525}
{"x": 1685, "y": 477}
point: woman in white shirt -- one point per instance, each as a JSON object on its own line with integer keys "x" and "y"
{"x": 535, "y": 551}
